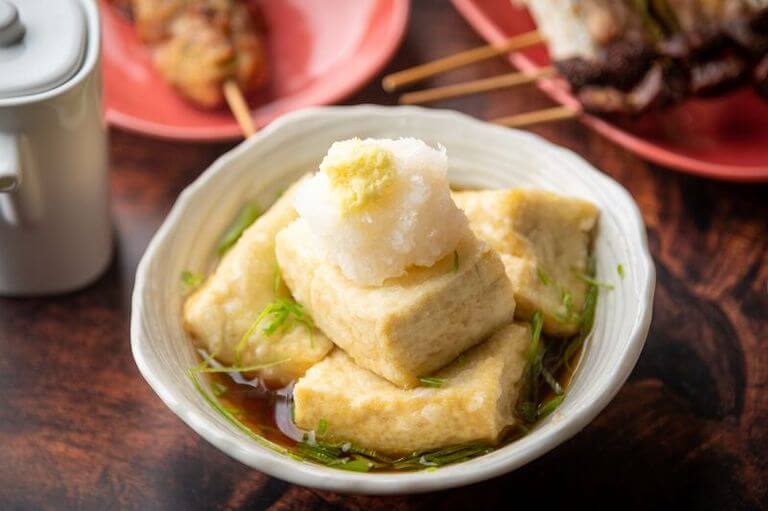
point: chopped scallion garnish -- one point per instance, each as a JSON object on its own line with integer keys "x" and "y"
{"x": 529, "y": 395}
{"x": 322, "y": 427}
{"x": 247, "y": 216}
{"x": 219, "y": 389}
{"x": 620, "y": 270}
{"x": 537, "y": 322}
{"x": 191, "y": 279}
{"x": 334, "y": 456}
{"x": 543, "y": 277}
{"x": 546, "y": 358}
{"x": 550, "y": 406}
{"x": 432, "y": 381}
{"x": 527, "y": 411}
{"x": 356, "y": 465}
{"x": 565, "y": 313}
{"x": 246, "y": 369}
{"x": 594, "y": 282}
{"x": 567, "y": 299}
{"x": 440, "y": 457}
{"x": 588, "y": 316}
{"x": 277, "y": 314}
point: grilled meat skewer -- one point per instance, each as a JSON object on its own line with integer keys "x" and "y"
{"x": 629, "y": 56}
{"x": 201, "y": 44}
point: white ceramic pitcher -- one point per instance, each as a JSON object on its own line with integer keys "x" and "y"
{"x": 55, "y": 229}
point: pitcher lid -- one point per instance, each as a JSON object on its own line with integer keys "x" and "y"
{"x": 42, "y": 44}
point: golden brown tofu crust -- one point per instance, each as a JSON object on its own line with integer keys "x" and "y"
{"x": 220, "y": 312}
{"x": 474, "y": 404}
{"x": 544, "y": 241}
{"x": 410, "y": 326}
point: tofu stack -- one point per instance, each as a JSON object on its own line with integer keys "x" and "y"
{"x": 420, "y": 296}
{"x": 386, "y": 263}
{"x": 397, "y": 316}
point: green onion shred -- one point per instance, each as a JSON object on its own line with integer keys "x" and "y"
{"x": 591, "y": 281}
{"x": 245, "y": 369}
{"x": 540, "y": 395}
{"x": 543, "y": 277}
{"x": 276, "y": 315}
{"x": 191, "y": 279}
{"x": 244, "y": 219}
{"x": 432, "y": 381}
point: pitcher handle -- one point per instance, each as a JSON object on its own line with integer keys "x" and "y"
{"x": 10, "y": 179}
{"x": 20, "y": 200}
{"x": 10, "y": 172}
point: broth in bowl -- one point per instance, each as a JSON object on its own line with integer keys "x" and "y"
{"x": 372, "y": 319}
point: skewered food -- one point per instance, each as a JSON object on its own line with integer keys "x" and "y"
{"x": 199, "y": 45}
{"x": 629, "y": 56}
{"x": 420, "y": 357}
{"x": 153, "y": 18}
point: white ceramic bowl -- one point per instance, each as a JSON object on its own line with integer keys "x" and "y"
{"x": 480, "y": 155}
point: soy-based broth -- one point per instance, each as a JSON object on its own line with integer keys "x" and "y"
{"x": 266, "y": 415}
{"x": 257, "y": 407}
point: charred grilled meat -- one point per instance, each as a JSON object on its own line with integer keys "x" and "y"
{"x": 201, "y": 44}
{"x": 628, "y": 56}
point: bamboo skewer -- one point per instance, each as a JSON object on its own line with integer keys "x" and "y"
{"x": 476, "y": 86}
{"x": 239, "y": 107}
{"x": 400, "y": 79}
{"x": 546, "y": 115}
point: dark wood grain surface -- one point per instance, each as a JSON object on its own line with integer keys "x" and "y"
{"x": 79, "y": 428}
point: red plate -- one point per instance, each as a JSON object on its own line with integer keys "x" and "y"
{"x": 724, "y": 138}
{"x": 319, "y": 52}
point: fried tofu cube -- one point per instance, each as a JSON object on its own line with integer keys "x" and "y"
{"x": 221, "y": 311}
{"x": 544, "y": 241}
{"x": 475, "y": 402}
{"x": 409, "y": 326}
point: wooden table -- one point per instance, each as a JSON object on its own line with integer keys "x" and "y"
{"x": 79, "y": 427}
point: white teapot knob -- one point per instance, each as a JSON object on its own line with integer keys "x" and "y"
{"x": 11, "y": 28}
